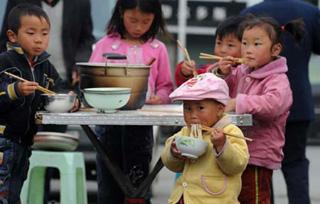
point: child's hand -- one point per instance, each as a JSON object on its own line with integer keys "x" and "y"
{"x": 154, "y": 100}
{"x": 218, "y": 139}
{"x": 75, "y": 77}
{"x": 76, "y": 105}
{"x": 26, "y": 88}
{"x": 225, "y": 65}
{"x": 174, "y": 150}
{"x": 187, "y": 69}
{"x": 231, "y": 106}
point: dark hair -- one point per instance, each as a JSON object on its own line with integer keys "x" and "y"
{"x": 116, "y": 25}
{"x": 25, "y": 9}
{"x": 274, "y": 29}
{"x": 230, "y": 26}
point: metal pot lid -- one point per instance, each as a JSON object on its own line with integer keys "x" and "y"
{"x": 56, "y": 134}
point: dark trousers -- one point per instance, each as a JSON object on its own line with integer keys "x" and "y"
{"x": 256, "y": 185}
{"x": 295, "y": 165}
{"x": 131, "y": 149}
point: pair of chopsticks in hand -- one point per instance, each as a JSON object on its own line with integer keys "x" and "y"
{"x": 40, "y": 88}
{"x": 215, "y": 57}
{"x": 209, "y": 129}
{"x": 187, "y": 56}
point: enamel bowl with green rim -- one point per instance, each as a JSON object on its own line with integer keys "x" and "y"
{"x": 190, "y": 147}
{"x": 107, "y": 99}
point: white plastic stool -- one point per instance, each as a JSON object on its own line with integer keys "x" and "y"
{"x": 72, "y": 177}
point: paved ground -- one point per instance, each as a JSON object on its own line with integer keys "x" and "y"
{"x": 164, "y": 182}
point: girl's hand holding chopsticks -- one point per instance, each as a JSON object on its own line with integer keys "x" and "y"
{"x": 190, "y": 64}
{"x": 225, "y": 65}
{"x": 187, "y": 69}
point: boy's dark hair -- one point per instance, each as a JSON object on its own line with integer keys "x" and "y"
{"x": 25, "y": 9}
{"x": 116, "y": 25}
{"x": 274, "y": 29}
{"x": 230, "y": 26}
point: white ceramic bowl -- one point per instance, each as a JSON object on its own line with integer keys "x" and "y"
{"x": 107, "y": 99}
{"x": 58, "y": 103}
{"x": 191, "y": 147}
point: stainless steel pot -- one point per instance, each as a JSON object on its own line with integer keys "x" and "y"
{"x": 117, "y": 75}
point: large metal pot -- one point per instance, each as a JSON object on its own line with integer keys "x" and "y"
{"x": 117, "y": 75}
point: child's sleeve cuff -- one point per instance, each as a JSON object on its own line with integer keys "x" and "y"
{"x": 12, "y": 91}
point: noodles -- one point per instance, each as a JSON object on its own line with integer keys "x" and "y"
{"x": 196, "y": 131}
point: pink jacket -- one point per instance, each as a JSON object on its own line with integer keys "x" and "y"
{"x": 159, "y": 79}
{"x": 266, "y": 94}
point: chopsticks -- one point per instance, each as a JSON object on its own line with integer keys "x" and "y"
{"x": 187, "y": 56}
{"x": 40, "y": 88}
{"x": 215, "y": 57}
{"x": 209, "y": 129}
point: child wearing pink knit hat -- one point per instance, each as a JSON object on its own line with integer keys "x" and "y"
{"x": 215, "y": 176}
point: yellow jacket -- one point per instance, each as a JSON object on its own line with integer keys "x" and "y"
{"x": 212, "y": 178}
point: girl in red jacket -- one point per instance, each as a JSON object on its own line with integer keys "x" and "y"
{"x": 227, "y": 43}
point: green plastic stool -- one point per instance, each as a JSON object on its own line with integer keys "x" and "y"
{"x": 72, "y": 177}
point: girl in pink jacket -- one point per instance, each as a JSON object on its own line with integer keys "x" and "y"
{"x": 132, "y": 30}
{"x": 260, "y": 87}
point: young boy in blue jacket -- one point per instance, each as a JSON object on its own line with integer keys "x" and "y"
{"x": 28, "y": 32}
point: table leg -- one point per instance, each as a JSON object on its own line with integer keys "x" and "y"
{"x": 123, "y": 182}
{"x": 133, "y": 195}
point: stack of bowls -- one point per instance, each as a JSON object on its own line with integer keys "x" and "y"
{"x": 107, "y": 99}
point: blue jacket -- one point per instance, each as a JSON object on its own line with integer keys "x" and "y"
{"x": 297, "y": 56}
{"x": 17, "y": 113}
{"x": 77, "y": 37}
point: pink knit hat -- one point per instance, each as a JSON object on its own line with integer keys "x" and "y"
{"x": 203, "y": 86}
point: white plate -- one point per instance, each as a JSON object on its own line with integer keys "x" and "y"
{"x": 56, "y": 143}
{"x": 58, "y": 134}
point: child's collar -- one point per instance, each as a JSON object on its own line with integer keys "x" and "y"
{"x": 16, "y": 48}
{"x": 224, "y": 121}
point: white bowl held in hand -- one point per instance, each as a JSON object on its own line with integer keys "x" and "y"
{"x": 107, "y": 99}
{"x": 190, "y": 147}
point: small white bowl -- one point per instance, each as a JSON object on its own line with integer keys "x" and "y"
{"x": 190, "y": 147}
{"x": 58, "y": 103}
{"x": 107, "y": 99}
